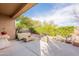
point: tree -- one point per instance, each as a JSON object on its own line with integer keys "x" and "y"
{"x": 65, "y": 31}
{"x": 25, "y": 22}
{"x": 47, "y": 28}
{"x": 75, "y": 14}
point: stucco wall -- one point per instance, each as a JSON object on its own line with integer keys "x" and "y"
{"x": 9, "y": 25}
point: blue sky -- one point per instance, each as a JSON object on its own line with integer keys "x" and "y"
{"x": 43, "y": 8}
{"x": 59, "y": 13}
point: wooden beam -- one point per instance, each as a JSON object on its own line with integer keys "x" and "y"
{"x": 23, "y": 9}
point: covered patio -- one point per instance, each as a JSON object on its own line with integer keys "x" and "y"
{"x": 8, "y": 15}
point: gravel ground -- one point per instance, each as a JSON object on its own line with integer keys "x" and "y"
{"x": 33, "y": 48}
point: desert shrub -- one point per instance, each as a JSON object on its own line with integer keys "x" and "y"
{"x": 45, "y": 28}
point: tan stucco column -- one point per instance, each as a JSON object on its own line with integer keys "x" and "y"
{"x": 9, "y": 25}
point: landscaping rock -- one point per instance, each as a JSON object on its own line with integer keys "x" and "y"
{"x": 68, "y": 40}
{"x": 76, "y": 43}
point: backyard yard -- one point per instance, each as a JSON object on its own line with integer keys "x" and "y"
{"x": 44, "y": 30}
{"x": 33, "y": 48}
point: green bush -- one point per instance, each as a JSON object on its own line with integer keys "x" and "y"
{"x": 47, "y": 28}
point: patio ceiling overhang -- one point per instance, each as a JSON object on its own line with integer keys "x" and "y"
{"x": 14, "y": 10}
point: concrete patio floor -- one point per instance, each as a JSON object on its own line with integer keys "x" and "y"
{"x": 55, "y": 48}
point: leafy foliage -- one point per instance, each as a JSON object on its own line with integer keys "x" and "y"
{"x": 47, "y": 28}
{"x": 66, "y": 31}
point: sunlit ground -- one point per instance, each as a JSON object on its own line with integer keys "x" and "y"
{"x": 60, "y": 21}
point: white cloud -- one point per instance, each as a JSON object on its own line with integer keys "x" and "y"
{"x": 60, "y": 15}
